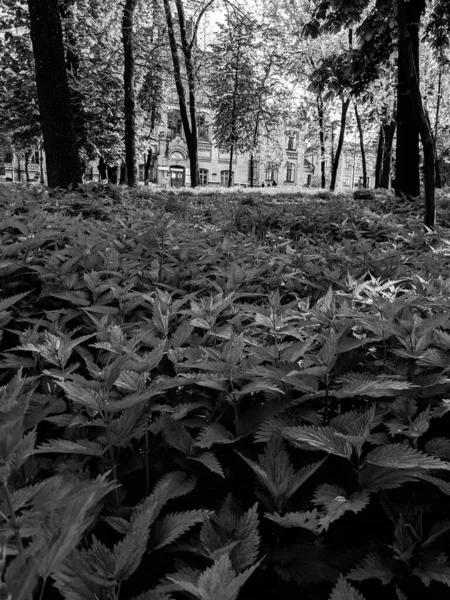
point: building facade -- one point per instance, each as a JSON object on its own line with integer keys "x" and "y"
{"x": 350, "y": 171}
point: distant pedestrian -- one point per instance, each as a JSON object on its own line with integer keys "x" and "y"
{"x": 274, "y": 183}
{"x": 262, "y": 185}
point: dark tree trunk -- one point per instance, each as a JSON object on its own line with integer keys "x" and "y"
{"x": 361, "y": 145}
{"x": 436, "y": 126}
{"x": 410, "y": 68}
{"x": 321, "y": 139}
{"x": 190, "y": 129}
{"x": 251, "y": 169}
{"x": 41, "y": 165}
{"x": 27, "y": 171}
{"x": 389, "y": 131}
{"x": 148, "y": 162}
{"x": 130, "y": 99}
{"x": 63, "y": 163}
{"x": 380, "y": 156}
{"x": 230, "y": 168}
{"x": 123, "y": 178}
{"x": 345, "y": 105}
{"x": 102, "y": 168}
{"x": 112, "y": 174}
{"x": 407, "y": 170}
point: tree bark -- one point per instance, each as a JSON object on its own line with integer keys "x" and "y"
{"x": 321, "y": 139}
{"x": 380, "y": 157}
{"x": 423, "y": 123}
{"x": 361, "y": 145}
{"x": 230, "y": 168}
{"x": 102, "y": 168}
{"x": 407, "y": 170}
{"x": 27, "y": 171}
{"x": 148, "y": 162}
{"x": 345, "y": 105}
{"x": 190, "y": 128}
{"x": 130, "y": 98}
{"x": 63, "y": 162}
{"x": 389, "y": 131}
{"x": 436, "y": 125}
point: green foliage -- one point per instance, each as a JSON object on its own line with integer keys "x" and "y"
{"x": 189, "y": 410}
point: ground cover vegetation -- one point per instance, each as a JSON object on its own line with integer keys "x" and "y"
{"x": 235, "y": 395}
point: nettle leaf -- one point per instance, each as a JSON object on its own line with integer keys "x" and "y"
{"x": 23, "y": 450}
{"x": 375, "y": 479}
{"x": 68, "y": 447}
{"x": 433, "y": 568}
{"x": 335, "y": 502}
{"x": 401, "y": 456}
{"x": 305, "y": 520}
{"x": 343, "y": 590}
{"x": 435, "y": 532}
{"x": 439, "y": 447}
{"x": 153, "y": 595}
{"x": 372, "y": 567}
{"x": 361, "y": 385}
{"x": 174, "y": 525}
{"x": 213, "y": 434}
{"x": 246, "y": 533}
{"x": 444, "y": 486}
{"x": 277, "y": 475}
{"x": 322, "y": 438}
{"x": 210, "y": 461}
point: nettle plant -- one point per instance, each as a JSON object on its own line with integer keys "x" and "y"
{"x": 192, "y": 413}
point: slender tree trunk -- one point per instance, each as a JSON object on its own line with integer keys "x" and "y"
{"x": 190, "y": 129}
{"x": 407, "y": 169}
{"x": 251, "y": 170}
{"x": 41, "y": 165}
{"x": 148, "y": 162}
{"x": 344, "y": 110}
{"x": 380, "y": 156}
{"x": 112, "y": 174}
{"x": 321, "y": 139}
{"x": 436, "y": 125}
{"x": 421, "y": 118}
{"x": 230, "y": 168}
{"x": 361, "y": 144}
{"x": 102, "y": 168}
{"x": 130, "y": 99}
{"x": 63, "y": 163}
{"x": 389, "y": 131}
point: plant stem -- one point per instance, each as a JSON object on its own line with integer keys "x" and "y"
{"x": 12, "y": 517}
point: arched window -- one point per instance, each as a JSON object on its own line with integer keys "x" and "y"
{"x": 290, "y": 172}
{"x": 203, "y": 176}
{"x": 271, "y": 172}
{"x": 224, "y": 178}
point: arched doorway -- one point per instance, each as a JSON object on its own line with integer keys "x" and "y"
{"x": 177, "y": 176}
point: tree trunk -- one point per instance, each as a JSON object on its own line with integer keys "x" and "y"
{"x": 389, "y": 131}
{"x": 102, "y": 168}
{"x": 123, "y": 177}
{"x": 251, "y": 170}
{"x": 148, "y": 162}
{"x": 407, "y": 170}
{"x": 63, "y": 163}
{"x": 130, "y": 99}
{"x": 426, "y": 135}
{"x": 27, "y": 171}
{"x": 190, "y": 134}
{"x": 345, "y": 105}
{"x": 380, "y": 157}
{"x": 361, "y": 145}
{"x": 112, "y": 174}
{"x": 436, "y": 125}
{"x": 321, "y": 139}
{"x": 230, "y": 168}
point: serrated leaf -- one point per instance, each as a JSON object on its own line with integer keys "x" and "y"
{"x": 23, "y": 450}
{"x": 213, "y": 434}
{"x": 433, "y": 568}
{"x": 335, "y": 501}
{"x": 118, "y": 524}
{"x": 306, "y": 520}
{"x": 372, "y": 567}
{"x": 401, "y": 456}
{"x": 322, "y": 438}
{"x": 210, "y": 461}
{"x": 68, "y": 447}
{"x": 174, "y": 525}
{"x": 343, "y": 590}
{"x": 245, "y": 554}
{"x": 360, "y": 385}
{"x": 375, "y": 479}
{"x": 435, "y": 532}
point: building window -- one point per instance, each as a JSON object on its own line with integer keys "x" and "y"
{"x": 292, "y": 141}
{"x": 141, "y": 172}
{"x": 203, "y": 126}
{"x": 368, "y": 181}
{"x": 173, "y": 96}
{"x": 88, "y": 173}
{"x": 224, "y": 178}
{"x": 174, "y": 124}
{"x": 8, "y": 157}
{"x": 34, "y": 157}
{"x": 271, "y": 172}
{"x": 255, "y": 171}
{"x": 358, "y": 164}
{"x": 369, "y": 165}
{"x": 348, "y": 162}
{"x": 307, "y": 179}
{"x": 347, "y": 181}
{"x": 290, "y": 172}
{"x": 203, "y": 176}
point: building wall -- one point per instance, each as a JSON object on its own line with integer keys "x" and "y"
{"x": 350, "y": 172}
